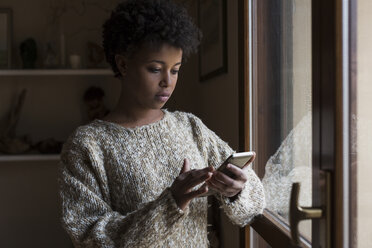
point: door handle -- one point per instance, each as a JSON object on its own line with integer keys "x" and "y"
{"x": 298, "y": 213}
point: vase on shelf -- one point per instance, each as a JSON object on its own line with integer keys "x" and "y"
{"x": 75, "y": 61}
{"x": 28, "y": 51}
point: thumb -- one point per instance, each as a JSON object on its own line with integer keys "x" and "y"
{"x": 186, "y": 166}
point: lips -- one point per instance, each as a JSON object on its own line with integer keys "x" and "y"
{"x": 163, "y": 97}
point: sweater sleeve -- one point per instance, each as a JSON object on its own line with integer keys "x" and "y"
{"x": 88, "y": 217}
{"x": 251, "y": 200}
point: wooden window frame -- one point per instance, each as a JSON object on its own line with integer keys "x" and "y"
{"x": 328, "y": 139}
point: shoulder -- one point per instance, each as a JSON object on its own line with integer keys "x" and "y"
{"x": 84, "y": 138}
{"x": 186, "y": 118}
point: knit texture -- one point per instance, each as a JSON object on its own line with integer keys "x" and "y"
{"x": 114, "y": 184}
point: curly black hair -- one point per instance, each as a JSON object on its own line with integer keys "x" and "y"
{"x": 135, "y": 22}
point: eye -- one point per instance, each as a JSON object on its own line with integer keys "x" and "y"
{"x": 154, "y": 70}
{"x": 174, "y": 72}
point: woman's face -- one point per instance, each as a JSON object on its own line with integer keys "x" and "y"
{"x": 150, "y": 75}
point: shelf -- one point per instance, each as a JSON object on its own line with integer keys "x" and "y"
{"x": 57, "y": 72}
{"x": 29, "y": 157}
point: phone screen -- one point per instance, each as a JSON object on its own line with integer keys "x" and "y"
{"x": 237, "y": 159}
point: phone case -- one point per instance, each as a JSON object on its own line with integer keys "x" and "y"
{"x": 238, "y": 159}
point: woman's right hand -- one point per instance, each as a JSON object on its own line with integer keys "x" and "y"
{"x": 182, "y": 186}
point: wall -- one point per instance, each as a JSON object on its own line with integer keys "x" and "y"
{"x": 364, "y": 124}
{"x": 29, "y": 211}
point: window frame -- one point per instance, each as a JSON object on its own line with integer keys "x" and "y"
{"x": 329, "y": 106}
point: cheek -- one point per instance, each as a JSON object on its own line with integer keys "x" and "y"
{"x": 147, "y": 77}
{"x": 149, "y": 84}
{"x": 143, "y": 82}
{"x": 175, "y": 79}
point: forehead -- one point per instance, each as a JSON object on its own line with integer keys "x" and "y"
{"x": 163, "y": 52}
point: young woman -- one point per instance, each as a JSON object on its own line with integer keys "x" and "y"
{"x": 133, "y": 179}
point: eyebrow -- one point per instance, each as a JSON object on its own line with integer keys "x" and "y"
{"x": 162, "y": 62}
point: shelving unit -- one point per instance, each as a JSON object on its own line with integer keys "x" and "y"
{"x": 54, "y": 104}
{"x": 57, "y": 72}
{"x": 41, "y": 73}
{"x": 34, "y": 75}
{"x": 29, "y": 157}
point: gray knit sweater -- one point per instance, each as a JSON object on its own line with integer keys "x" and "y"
{"x": 115, "y": 183}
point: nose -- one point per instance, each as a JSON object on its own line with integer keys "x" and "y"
{"x": 166, "y": 80}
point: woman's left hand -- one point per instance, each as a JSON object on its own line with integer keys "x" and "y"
{"x": 226, "y": 185}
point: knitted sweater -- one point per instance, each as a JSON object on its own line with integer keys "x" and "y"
{"x": 115, "y": 181}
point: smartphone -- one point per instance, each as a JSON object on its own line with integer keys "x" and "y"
{"x": 238, "y": 159}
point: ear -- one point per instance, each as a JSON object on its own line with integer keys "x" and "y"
{"x": 121, "y": 64}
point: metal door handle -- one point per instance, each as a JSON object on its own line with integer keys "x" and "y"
{"x": 298, "y": 213}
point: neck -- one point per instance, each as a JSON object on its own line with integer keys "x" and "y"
{"x": 129, "y": 113}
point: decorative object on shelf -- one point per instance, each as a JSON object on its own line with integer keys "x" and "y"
{"x": 5, "y": 38}
{"x": 58, "y": 10}
{"x": 213, "y": 47}
{"x": 96, "y": 55}
{"x": 62, "y": 46}
{"x": 15, "y": 112}
{"x": 93, "y": 98}
{"x": 75, "y": 61}
{"x": 49, "y": 146}
{"x": 18, "y": 145}
{"x": 28, "y": 51}
{"x": 51, "y": 60}
{"x": 9, "y": 143}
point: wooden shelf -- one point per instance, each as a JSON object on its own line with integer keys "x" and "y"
{"x": 29, "y": 157}
{"x": 57, "y": 72}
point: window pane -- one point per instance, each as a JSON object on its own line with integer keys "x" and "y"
{"x": 361, "y": 126}
{"x": 284, "y": 137}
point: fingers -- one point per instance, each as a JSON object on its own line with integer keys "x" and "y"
{"x": 221, "y": 188}
{"x": 224, "y": 183}
{"x": 182, "y": 186}
{"x": 224, "y": 189}
{"x": 195, "y": 177}
{"x": 239, "y": 173}
{"x": 223, "y": 178}
{"x": 188, "y": 179}
{"x": 196, "y": 193}
{"x": 186, "y": 166}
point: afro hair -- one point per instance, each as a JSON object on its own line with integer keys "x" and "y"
{"x": 136, "y": 22}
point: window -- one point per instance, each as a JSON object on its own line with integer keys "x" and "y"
{"x": 295, "y": 60}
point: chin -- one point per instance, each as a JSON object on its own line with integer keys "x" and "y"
{"x": 157, "y": 106}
